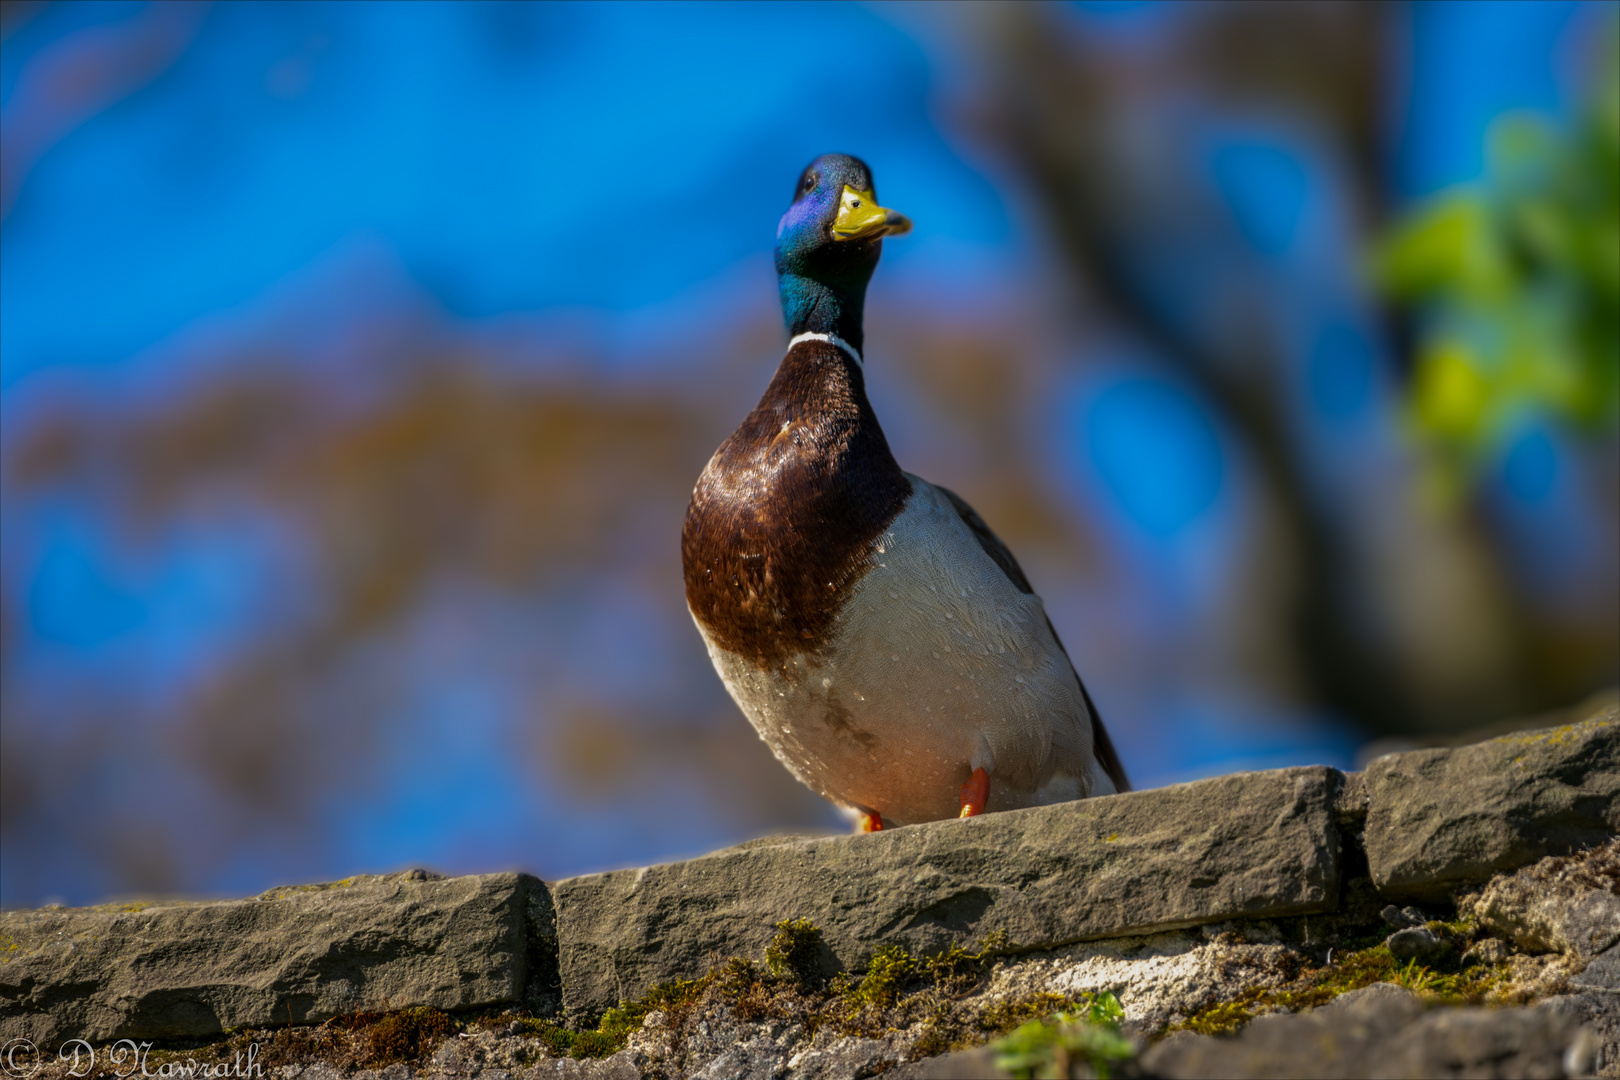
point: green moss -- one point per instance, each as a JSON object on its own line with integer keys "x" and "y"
{"x": 896, "y": 990}
{"x": 1003, "y": 1016}
{"x": 613, "y": 1030}
{"x": 957, "y": 970}
{"x": 1447, "y": 980}
{"x": 558, "y": 1040}
{"x": 561, "y": 1041}
{"x": 890, "y": 971}
{"x": 795, "y": 952}
{"x": 1224, "y": 1017}
{"x": 899, "y": 989}
{"x": 959, "y": 1028}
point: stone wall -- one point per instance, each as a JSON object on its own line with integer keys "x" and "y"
{"x": 1415, "y": 827}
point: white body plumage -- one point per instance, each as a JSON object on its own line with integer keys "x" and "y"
{"x": 937, "y": 665}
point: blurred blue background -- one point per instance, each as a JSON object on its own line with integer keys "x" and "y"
{"x": 357, "y": 360}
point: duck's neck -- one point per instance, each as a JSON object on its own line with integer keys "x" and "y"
{"x": 814, "y": 307}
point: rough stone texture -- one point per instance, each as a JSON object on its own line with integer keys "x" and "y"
{"x": 1439, "y": 819}
{"x": 1130, "y": 894}
{"x": 1379, "y": 1031}
{"x": 1601, "y": 973}
{"x": 1350, "y": 802}
{"x": 719, "y": 1046}
{"x": 1569, "y": 905}
{"x": 1158, "y": 978}
{"x": 826, "y": 1058}
{"x": 1255, "y": 845}
{"x": 1179, "y": 972}
{"x": 176, "y": 970}
{"x": 979, "y": 1064}
{"x": 1600, "y": 1013}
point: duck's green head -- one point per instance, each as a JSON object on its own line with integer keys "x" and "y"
{"x": 827, "y": 245}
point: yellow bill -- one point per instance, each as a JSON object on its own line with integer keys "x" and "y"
{"x": 861, "y": 218}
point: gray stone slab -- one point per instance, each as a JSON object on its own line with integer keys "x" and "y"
{"x": 1561, "y": 904}
{"x": 976, "y": 1064}
{"x": 1378, "y": 1031}
{"x": 1439, "y": 819}
{"x": 1249, "y": 845}
{"x": 1601, "y": 974}
{"x": 1599, "y": 1012}
{"x": 302, "y": 954}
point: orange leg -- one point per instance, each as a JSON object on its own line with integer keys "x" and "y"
{"x": 975, "y": 793}
{"x": 869, "y": 822}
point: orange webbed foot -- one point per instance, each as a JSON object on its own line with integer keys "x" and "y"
{"x": 975, "y": 793}
{"x": 865, "y": 822}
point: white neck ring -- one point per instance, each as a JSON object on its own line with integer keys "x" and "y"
{"x": 830, "y": 339}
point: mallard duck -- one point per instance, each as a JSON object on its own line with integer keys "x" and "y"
{"x": 881, "y": 639}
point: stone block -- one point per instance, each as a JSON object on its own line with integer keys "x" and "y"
{"x": 292, "y": 955}
{"x": 1380, "y": 1030}
{"x": 1440, "y": 819}
{"x": 1565, "y": 904}
{"x": 1251, "y": 845}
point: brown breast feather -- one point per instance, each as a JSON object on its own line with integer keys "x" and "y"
{"x": 785, "y": 517}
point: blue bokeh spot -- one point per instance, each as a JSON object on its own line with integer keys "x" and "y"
{"x": 1158, "y": 453}
{"x": 71, "y": 602}
{"x": 1530, "y": 469}
{"x": 1472, "y": 61}
{"x": 1339, "y": 371}
{"x": 1265, "y": 187}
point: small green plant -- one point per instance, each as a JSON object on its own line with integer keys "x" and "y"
{"x": 887, "y": 973}
{"x": 556, "y": 1038}
{"x": 1047, "y": 1048}
{"x": 1416, "y": 978}
{"x": 795, "y": 952}
{"x": 957, "y": 970}
{"x": 614, "y": 1029}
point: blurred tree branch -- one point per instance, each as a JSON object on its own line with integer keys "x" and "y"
{"x": 1051, "y": 99}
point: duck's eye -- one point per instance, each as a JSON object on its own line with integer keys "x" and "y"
{"x": 809, "y": 184}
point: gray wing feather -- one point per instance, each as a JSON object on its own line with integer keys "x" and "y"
{"x": 1002, "y": 556}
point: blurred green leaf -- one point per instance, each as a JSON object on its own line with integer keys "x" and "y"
{"x": 1047, "y": 1048}
{"x": 1450, "y": 395}
{"x": 1516, "y": 285}
{"x": 1449, "y": 248}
